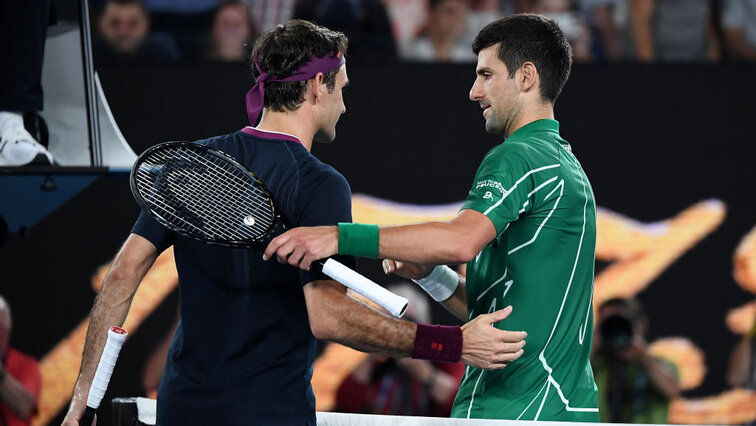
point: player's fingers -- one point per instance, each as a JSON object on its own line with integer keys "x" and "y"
{"x": 496, "y": 316}
{"x": 274, "y": 245}
{"x": 388, "y": 266}
{"x": 295, "y": 258}
{"x": 507, "y": 336}
{"x": 509, "y": 348}
{"x": 306, "y": 263}
{"x": 503, "y": 360}
{"x": 285, "y": 251}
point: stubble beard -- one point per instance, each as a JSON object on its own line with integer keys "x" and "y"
{"x": 495, "y": 125}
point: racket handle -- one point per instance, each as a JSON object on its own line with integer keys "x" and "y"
{"x": 116, "y": 337}
{"x": 393, "y": 303}
{"x": 88, "y": 417}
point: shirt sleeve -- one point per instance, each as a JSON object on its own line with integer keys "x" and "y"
{"x": 149, "y": 228}
{"x": 501, "y": 188}
{"x": 329, "y": 203}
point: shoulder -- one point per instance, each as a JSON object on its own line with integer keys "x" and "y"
{"x": 507, "y": 154}
{"x": 219, "y": 140}
{"x": 324, "y": 176}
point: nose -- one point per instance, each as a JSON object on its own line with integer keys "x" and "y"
{"x": 476, "y": 92}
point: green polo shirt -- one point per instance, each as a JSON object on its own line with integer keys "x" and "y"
{"x": 539, "y": 199}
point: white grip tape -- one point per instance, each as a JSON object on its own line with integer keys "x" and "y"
{"x": 105, "y": 367}
{"x": 391, "y": 302}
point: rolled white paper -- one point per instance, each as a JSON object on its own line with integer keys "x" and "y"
{"x": 116, "y": 336}
{"x": 391, "y": 302}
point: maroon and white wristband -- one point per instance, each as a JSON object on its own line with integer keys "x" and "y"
{"x": 438, "y": 343}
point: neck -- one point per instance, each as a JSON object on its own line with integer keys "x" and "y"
{"x": 295, "y": 123}
{"x": 536, "y": 112}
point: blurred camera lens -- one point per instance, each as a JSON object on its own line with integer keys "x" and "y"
{"x": 616, "y": 332}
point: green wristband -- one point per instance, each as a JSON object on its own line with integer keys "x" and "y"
{"x": 357, "y": 239}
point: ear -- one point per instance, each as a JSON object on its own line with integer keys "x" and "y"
{"x": 316, "y": 86}
{"x": 527, "y": 77}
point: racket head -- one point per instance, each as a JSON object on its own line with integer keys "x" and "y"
{"x": 204, "y": 194}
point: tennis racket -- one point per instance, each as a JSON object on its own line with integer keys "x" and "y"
{"x": 206, "y": 195}
{"x": 116, "y": 337}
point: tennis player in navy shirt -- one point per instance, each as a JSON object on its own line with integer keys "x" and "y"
{"x": 245, "y": 344}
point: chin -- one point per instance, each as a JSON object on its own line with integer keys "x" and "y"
{"x": 494, "y": 128}
{"x": 324, "y": 136}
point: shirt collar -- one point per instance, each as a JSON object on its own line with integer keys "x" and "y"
{"x": 543, "y": 125}
{"x": 265, "y": 134}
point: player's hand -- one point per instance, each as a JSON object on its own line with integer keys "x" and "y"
{"x": 412, "y": 271}
{"x": 486, "y": 347}
{"x": 299, "y": 247}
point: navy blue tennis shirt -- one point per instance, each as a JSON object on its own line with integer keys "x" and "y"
{"x": 243, "y": 350}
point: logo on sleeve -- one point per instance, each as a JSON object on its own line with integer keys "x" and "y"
{"x": 493, "y": 189}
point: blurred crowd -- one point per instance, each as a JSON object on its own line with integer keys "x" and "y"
{"x": 427, "y": 30}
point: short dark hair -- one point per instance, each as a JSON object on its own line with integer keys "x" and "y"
{"x": 139, "y": 3}
{"x": 285, "y": 48}
{"x": 530, "y": 38}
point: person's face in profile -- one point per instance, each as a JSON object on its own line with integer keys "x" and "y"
{"x": 333, "y": 104}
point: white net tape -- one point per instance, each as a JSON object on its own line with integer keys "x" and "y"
{"x": 147, "y": 416}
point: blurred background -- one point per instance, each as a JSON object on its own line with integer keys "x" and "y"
{"x": 658, "y": 109}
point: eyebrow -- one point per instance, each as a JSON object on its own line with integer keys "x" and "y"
{"x": 481, "y": 71}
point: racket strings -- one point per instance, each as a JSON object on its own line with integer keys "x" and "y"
{"x": 204, "y": 194}
{"x": 199, "y": 199}
{"x": 220, "y": 184}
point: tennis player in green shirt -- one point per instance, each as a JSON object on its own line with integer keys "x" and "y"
{"x": 527, "y": 232}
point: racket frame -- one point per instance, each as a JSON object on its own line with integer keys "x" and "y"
{"x": 276, "y": 227}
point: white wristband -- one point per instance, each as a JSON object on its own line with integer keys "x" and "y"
{"x": 441, "y": 283}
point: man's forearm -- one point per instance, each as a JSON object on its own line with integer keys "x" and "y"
{"x": 337, "y": 317}
{"x": 434, "y": 243}
{"x": 15, "y": 396}
{"x": 110, "y": 309}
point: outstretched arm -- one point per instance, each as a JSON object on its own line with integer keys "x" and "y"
{"x": 434, "y": 243}
{"x": 110, "y": 309}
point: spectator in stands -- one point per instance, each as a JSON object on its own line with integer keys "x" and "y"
{"x": 634, "y": 387}
{"x": 444, "y": 37}
{"x": 605, "y": 18}
{"x": 269, "y": 13}
{"x": 572, "y": 23}
{"x": 19, "y": 377}
{"x": 409, "y": 387}
{"x": 739, "y": 24}
{"x": 365, "y": 23}
{"x": 124, "y": 35}
{"x": 230, "y": 36}
{"x": 673, "y": 31}
{"x": 483, "y": 12}
{"x": 184, "y": 21}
